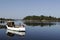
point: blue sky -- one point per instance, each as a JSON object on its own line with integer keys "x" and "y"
{"x": 21, "y": 8}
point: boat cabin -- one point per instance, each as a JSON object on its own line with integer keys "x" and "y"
{"x": 10, "y": 24}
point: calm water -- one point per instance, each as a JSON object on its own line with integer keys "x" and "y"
{"x": 33, "y": 32}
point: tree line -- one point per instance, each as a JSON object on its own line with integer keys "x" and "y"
{"x": 42, "y": 17}
{"x": 5, "y": 19}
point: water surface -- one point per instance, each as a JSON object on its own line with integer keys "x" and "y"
{"x": 33, "y": 32}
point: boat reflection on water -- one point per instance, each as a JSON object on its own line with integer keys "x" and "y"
{"x": 11, "y": 33}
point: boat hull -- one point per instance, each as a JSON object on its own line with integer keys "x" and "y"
{"x": 16, "y": 29}
{"x": 16, "y": 32}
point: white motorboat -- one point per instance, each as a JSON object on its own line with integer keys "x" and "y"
{"x": 10, "y": 25}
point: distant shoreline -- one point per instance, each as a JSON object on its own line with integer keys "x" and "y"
{"x": 41, "y": 18}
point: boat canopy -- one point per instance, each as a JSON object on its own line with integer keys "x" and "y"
{"x": 10, "y": 23}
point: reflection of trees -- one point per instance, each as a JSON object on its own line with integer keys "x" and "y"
{"x": 2, "y": 26}
{"x": 2, "y": 21}
{"x": 40, "y": 24}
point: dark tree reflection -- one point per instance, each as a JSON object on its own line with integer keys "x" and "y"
{"x": 39, "y": 24}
